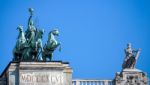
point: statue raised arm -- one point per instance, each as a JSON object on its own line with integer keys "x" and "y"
{"x": 31, "y": 14}
{"x": 31, "y": 26}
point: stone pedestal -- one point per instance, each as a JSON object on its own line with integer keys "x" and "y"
{"x": 38, "y": 73}
{"x": 131, "y": 77}
{"x": 2, "y": 81}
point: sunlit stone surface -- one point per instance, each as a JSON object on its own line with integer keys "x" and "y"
{"x": 131, "y": 77}
{"x": 38, "y": 73}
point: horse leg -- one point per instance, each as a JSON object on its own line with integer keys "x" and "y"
{"x": 59, "y": 44}
{"x": 14, "y": 58}
{"x": 19, "y": 56}
{"x": 44, "y": 57}
{"x": 28, "y": 55}
{"x": 51, "y": 55}
{"x": 34, "y": 57}
{"x": 36, "y": 46}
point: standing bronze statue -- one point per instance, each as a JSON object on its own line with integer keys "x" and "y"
{"x": 131, "y": 57}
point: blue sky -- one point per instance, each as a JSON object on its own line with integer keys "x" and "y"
{"x": 93, "y": 33}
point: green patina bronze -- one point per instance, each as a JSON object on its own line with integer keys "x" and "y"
{"x": 51, "y": 45}
{"x": 29, "y": 43}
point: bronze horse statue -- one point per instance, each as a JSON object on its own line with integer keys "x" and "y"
{"x": 51, "y": 45}
{"x": 20, "y": 45}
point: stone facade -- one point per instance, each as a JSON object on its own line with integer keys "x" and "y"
{"x": 38, "y": 73}
{"x": 131, "y": 77}
{"x": 59, "y": 73}
{"x": 2, "y": 81}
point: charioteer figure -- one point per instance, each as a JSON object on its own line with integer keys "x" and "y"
{"x": 31, "y": 28}
{"x": 34, "y": 41}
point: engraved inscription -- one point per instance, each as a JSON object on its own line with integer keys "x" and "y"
{"x": 38, "y": 78}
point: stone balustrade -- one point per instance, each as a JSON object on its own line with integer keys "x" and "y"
{"x": 91, "y": 82}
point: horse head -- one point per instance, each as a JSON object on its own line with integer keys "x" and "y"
{"x": 20, "y": 28}
{"x": 21, "y": 38}
{"x": 55, "y": 32}
{"x": 52, "y": 43}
